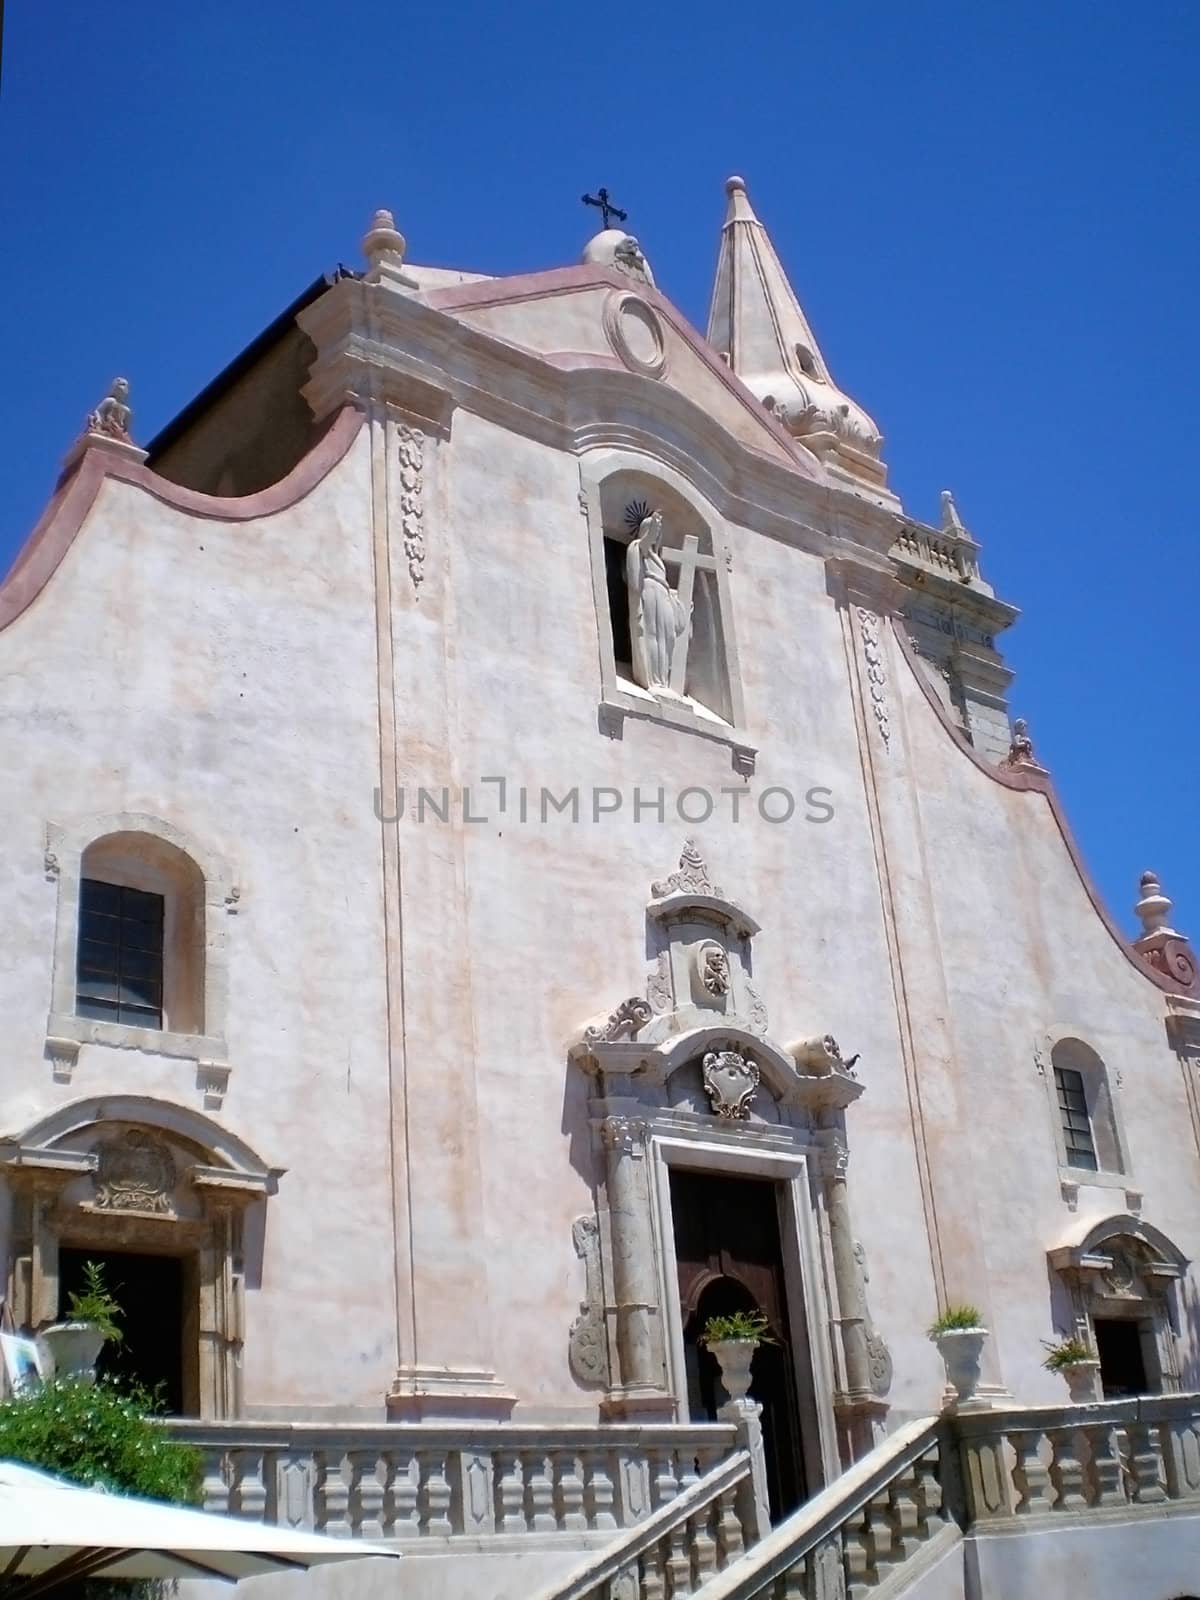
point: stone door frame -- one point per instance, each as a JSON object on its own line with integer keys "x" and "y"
{"x": 804, "y": 1273}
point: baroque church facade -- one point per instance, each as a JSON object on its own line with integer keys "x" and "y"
{"x": 565, "y": 870}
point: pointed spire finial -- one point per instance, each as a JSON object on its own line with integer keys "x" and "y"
{"x": 951, "y": 521}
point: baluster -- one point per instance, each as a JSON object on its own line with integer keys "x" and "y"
{"x": 929, "y": 1491}
{"x": 703, "y": 1543}
{"x": 1107, "y": 1486}
{"x": 679, "y": 1562}
{"x": 366, "y": 1495}
{"x": 571, "y": 1515}
{"x": 1029, "y": 1473}
{"x": 664, "y": 1485}
{"x": 824, "y": 1572}
{"x": 541, "y": 1495}
{"x": 730, "y": 1539}
{"x": 249, "y": 1496}
{"x": 653, "y": 1571}
{"x": 405, "y": 1495}
{"x": 857, "y": 1546}
{"x": 881, "y": 1531}
{"x": 793, "y": 1584}
{"x": 214, "y": 1486}
{"x": 904, "y": 1515}
{"x": 332, "y": 1498}
{"x": 437, "y": 1494}
{"x": 1144, "y": 1459}
{"x": 1066, "y": 1470}
{"x": 511, "y": 1492}
{"x": 599, "y": 1493}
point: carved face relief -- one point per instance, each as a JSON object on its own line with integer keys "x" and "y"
{"x": 730, "y": 1081}
{"x": 135, "y": 1173}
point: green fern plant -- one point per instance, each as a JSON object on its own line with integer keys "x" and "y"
{"x": 96, "y": 1305}
{"x": 1066, "y": 1353}
{"x": 955, "y": 1319}
{"x": 741, "y": 1325}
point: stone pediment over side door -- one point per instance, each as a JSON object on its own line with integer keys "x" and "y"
{"x": 588, "y": 317}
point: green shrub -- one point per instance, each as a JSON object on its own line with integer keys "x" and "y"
{"x": 98, "y": 1433}
{"x": 737, "y": 1325}
{"x": 955, "y": 1318}
{"x": 1067, "y": 1353}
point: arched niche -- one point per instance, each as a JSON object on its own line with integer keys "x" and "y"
{"x": 146, "y": 1178}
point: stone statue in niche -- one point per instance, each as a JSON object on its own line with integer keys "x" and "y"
{"x": 658, "y": 618}
{"x": 712, "y": 963}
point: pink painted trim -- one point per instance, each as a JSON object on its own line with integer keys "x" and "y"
{"x": 573, "y": 280}
{"x": 44, "y": 550}
{"x": 1040, "y": 783}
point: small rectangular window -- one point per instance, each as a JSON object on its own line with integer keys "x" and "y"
{"x": 1076, "y": 1124}
{"x": 119, "y": 960}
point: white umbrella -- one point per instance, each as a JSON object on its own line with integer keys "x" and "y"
{"x": 53, "y": 1533}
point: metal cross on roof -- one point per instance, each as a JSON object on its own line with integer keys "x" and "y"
{"x": 607, "y": 209}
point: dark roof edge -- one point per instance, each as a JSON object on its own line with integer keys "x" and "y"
{"x": 241, "y": 364}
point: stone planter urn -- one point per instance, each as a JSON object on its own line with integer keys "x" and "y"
{"x": 961, "y": 1350}
{"x": 74, "y": 1349}
{"x": 1083, "y": 1382}
{"x": 734, "y": 1357}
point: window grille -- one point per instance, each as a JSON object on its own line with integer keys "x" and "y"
{"x": 119, "y": 964}
{"x": 1076, "y": 1124}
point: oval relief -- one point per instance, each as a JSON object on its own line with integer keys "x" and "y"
{"x": 635, "y": 334}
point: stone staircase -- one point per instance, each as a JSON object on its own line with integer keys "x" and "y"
{"x": 984, "y": 1478}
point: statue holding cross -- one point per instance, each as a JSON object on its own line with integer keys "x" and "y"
{"x": 660, "y": 618}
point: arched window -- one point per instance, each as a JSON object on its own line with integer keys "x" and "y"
{"x": 141, "y": 944}
{"x": 140, "y": 937}
{"x": 1086, "y": 1124}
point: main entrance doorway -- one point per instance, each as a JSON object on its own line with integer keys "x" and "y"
{"x": 729, "y": 1258}
{"x": 150, "y": 1290}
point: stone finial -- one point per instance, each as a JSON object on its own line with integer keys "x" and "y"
{"x": 1153, "y": 909}
{"x": 951, "y": 521}
{"x": 112, "y": 416}
{"x": 381, "y": 242}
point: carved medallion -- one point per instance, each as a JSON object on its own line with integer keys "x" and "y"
{"x": 635, "y": 334}
{"x": 134, "y": 1173}
{"x": 730, "y": 1081}
{"x": 712, "y": 968}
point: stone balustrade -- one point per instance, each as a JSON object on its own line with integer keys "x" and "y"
{"x": 699, "y": 1532}
{"x": 938, "y": 551}
{"x": 402, "y": 1481}
{"x": 1057, "y": 1461}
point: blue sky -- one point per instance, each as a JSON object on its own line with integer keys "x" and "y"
{"x": 990, "y": 212}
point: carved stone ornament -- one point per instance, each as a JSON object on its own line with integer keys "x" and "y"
{"x": 412, "y": 511}
{"x": 691, "y": 876}
{"x": 587, "y": 1349}
{"x": 51, "y": 866}
{"x": 624, "y": 1022}
{"x": 712, "y": 969}
{"x": 626, "y": 1135}
{"x": 730, "y": 1082}
{"x": 112, "y": 416}
{"x": 135, "y": 1173}
{"x": 658, "y": 986}
{"x": 868, "y": 624}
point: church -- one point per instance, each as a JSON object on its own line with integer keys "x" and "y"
{"x": 516, "y": 848}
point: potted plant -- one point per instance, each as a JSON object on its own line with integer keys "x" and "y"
{"x": 733, "y": 1339}
{"x": 74, "y": 1345}
{"x": 959, "y": 1334}
{"x": 1078, "y": 1364}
